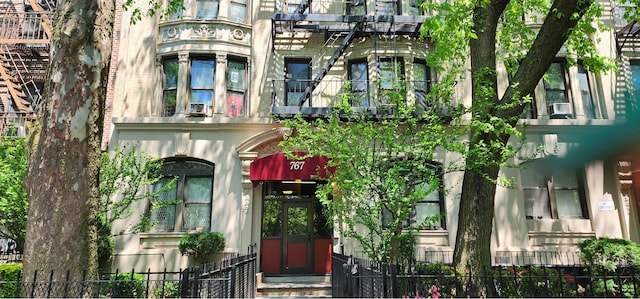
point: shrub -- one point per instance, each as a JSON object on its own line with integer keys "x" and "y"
{"x": 612, "y": 258}
{"x": 11, "y": 275}
{"x": 124, "y": 285}
{"x": 169, "y": 290}
{"x": 201, "y": 245}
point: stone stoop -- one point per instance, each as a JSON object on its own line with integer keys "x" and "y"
{"x": 293, "y": 286}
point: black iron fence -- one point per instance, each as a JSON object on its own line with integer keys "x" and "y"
{"x": 233, "y": 277}
{"x": 360, "y": 278}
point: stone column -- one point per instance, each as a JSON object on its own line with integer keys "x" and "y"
{"x": 219, "y": 104}
{"x": 182, "y": 98}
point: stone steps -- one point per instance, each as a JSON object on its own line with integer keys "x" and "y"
{"x": 294, "y": 286}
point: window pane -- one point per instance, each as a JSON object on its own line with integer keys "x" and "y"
{"x": 271, "y": 218}
{"x": 554, "y": 96}
{"x": 554, "y": 78}
{"x": 568, "y": 202}
{"x": 532, "y": 175}
{"x": 235, "y": 104}
{"x": 428, "y": 209}
{"x": 238, "y": 13}
{"x": 164, "y": 217}
{"x": 298, "y": 77}
{"x": 170, "y": 68}
{"x": 197, "y": 216}
{"x": 297, "y": 222}
{"x": 207, "y": 10}
{"x": 201, "y": 96}
{"x": 236, "y": 75}
{"x": 202, "y": 73}
{"x": 358, "y": 73}
{"x": 585, "y": 91}
{"x": 356, "y": 7}
{"x": 536, "y": 203}
{"x": 565, "y": 179}
{"x": 170, "y": 102}
{"x": 199, "y": 189}
{"x": 389, "y": 73}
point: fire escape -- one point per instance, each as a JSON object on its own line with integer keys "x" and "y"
{"x": 25, "y": 30}
{"x": 338, "y": 24}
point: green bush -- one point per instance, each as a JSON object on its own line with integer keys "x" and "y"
{"x": 171, "y": 290}
{"x": 608, "y": 257}
{"x": 124, "y": 285}
{"x": 11, "y": 275}
{"x": 201, "y": 245}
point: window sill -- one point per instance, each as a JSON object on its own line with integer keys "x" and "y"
{"x": 543, "y": 232}
{"x": 160, "y": 240}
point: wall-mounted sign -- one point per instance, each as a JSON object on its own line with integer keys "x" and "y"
{"x": 605, "y": 205}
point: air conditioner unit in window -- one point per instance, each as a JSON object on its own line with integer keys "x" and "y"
{"x": 199, "y": 109}
{"x": 560, "y": 110}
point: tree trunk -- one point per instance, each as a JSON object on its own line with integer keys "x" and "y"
{"x": 472, "y": 251}
{"x": 62, "y": 176}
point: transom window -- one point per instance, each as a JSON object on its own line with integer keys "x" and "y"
{"x": 194, "y": 191}
{"x": 551, "y": 193}
{"x": 236, "y": 87}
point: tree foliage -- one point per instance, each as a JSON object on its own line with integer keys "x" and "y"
{"x": 13, "y": 196}
{"x": 126, "y": 178}
{"x": 379, "y": 167}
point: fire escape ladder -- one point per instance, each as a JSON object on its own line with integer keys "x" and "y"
{"x": 11, "y": 75}
{"x": 330, "y": 62}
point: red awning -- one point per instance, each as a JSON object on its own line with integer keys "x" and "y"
{"x": 277, "y": 167}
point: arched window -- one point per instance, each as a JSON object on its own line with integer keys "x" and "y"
{"x": 194, "y": 190}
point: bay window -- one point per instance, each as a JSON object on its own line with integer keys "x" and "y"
{"x": 193, "y": 191}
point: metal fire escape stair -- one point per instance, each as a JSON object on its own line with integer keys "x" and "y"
{"x": 346, "y": 41}
{"x": 13, "y": 84}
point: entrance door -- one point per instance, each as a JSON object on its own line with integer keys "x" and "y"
{"x": 296, "y": 244}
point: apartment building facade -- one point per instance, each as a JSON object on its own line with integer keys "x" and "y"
{"x": 204, "y": 88}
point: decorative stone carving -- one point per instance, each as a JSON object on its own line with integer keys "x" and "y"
{"x": 238, "y": 34}
{"x": 205, "y": 31}
{"x": 171, "y": 33}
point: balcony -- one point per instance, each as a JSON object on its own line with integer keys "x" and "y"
{"x": 287, "y": 98}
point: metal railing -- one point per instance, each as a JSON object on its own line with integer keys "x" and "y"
{"x": 25, "y": 27}
{"x": 359, "y": 278}
{"x": 234, "y": 277}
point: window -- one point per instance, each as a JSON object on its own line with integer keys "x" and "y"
{"x": 432, "y": 204}
{"x": 635, "y": 78}
{"x": 358, "y": 76}
{"x": 238, "y": 12}
{"x": 170, "y": 85}
{"x": 202, "y": 81}
{"x": 585, "y": 92}
{"x": 207, "y": 9}
{"x": 554, "y": 84}
{"x": 551, "y": 192}
{"x": 194, "y": 190}
{"x": 356, "y": 7}
{"x": 236, "y": 87}
{"x": 390, "y": 76}
{"x": 421, "y": 83}
{"x": 415, "y": 8}
{"x": 297, "y": 78}
{"x": 176, "y": 15}
{"x": 387, "y": 7}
